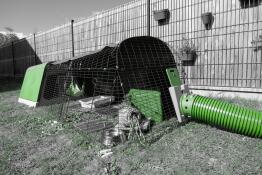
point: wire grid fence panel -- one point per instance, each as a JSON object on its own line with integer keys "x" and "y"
{"x": 97, "y": 84}
{"x": 53, "y": 84}
{"x": 55, "y": 44}
{"x": 96, "y": 75}
{"x": 145, "y": 61}
{"x": 137, "y": 63}
{"x": 6, "y": 61}
{"x": 111, "y": 26}
{"x": 53, "y": 88}
{"x": 226, "y": 55}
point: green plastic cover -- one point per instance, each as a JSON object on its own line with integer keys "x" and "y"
{"x": 148, "y": 102}
{"x": 32, "y": 83}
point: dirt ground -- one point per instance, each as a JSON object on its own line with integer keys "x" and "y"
{"x": 33, "y": 141}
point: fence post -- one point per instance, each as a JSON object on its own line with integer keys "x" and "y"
{"x": 72, "y": 37}
{"x": 35, "y": 50}
{"x": 148, "y": 18}
{"x": 13, "y": 58}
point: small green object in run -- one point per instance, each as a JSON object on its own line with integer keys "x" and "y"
{"x": 148, "y": 102}
{"x": 74, "y": 90}
{"x": 173, "y": 76}
{"x": 31, "y": 87}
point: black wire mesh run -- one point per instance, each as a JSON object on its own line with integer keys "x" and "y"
{"x": 103, "y": 79}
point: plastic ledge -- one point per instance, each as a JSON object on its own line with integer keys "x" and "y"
{"x": 27, "y": 102}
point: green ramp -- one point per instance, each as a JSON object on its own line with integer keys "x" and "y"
{"x": 31, "y": 87}
{"x": 148, "y": 102}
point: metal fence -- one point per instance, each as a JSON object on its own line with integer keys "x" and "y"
{"x": 229, "y": 54}
{"x": 226, "y": 54}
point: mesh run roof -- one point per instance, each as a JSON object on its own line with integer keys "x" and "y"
{"x": 133, "y": 53}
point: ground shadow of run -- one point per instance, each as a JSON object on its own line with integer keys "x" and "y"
{"x": 8, "y": 84}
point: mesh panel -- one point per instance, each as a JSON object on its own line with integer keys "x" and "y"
{"x": 102, "y": 80}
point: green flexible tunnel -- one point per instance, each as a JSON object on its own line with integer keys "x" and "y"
{"x": 222, "y": 114}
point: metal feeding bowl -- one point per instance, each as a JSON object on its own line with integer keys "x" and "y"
{"x": 113, "y": 137}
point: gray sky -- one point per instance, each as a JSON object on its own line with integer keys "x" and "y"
{"x": 29, "y": 16}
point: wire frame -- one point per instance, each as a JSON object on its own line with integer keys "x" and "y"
{"x": 137, "y": 64}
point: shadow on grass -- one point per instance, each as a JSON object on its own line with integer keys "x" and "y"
{"x": 8, "y": 84}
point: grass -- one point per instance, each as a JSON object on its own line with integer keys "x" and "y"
{"x": 33, "y": 141}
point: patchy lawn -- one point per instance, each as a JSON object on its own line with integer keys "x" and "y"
{"x": 33, "y": 141}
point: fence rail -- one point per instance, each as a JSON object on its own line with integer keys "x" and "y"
{"x": 229, "y": 54}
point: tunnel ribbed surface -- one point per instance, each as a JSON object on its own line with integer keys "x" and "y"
{"x": 222, "y": 114}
